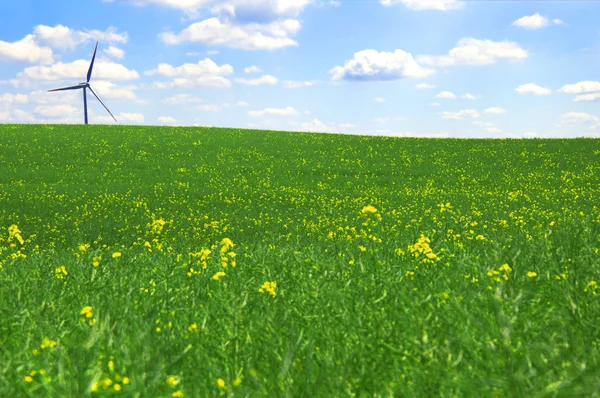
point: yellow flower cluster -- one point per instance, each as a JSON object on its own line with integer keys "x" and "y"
{"x": 87, "y": 315}
{"x": 156, "y": 226}
{"x": 15, "y": 233}
{"x": 226, "y": 245}
{"x": 96, "y": 260}
{"x": 47, "y": 343}
{"x": 591, "y": 287}
{"x": 111, "y": 380}
{"x": 61, "y": 272}
{"x": 268, "y": 287}
{"x": 505, "y": 269}
{"x": 42, "y": 373}
{"x": 369, "y": 210}
{"x": 218, "y": 275}
{"x": 444, "y": 207}
{"x": 422, "y": 249}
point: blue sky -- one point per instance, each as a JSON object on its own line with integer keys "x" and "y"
{"x": 444, "y": 68}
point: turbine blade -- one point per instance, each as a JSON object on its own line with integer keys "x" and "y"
{"x": 67, "y": 88}
{"x": 89, "y": 75}
{"x": 105, "y": 107}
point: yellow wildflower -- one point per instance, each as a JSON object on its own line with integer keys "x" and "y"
{"x": 28, "y": 379}
{"x": 125, "y": 380}
{"x": 116, "y": 254}
{"x": 531, "y": 274}
{"x": 117, "y": 387}
{"x": 237, "y": 382}
{"x": 218, "y": 275}
{"x": 268, "y": 287}
{"x": 369, "y": 209}
{"x": 221, "y": 383}
{"x": 172, "y": 381}
{"x": 177, "y": 394}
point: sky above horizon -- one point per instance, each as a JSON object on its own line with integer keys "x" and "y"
{"x": 439, "y": 68}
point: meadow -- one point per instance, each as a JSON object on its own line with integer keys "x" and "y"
{"x": 201, "y": 262}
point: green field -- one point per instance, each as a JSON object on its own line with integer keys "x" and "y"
{"x": 400, "y": 266}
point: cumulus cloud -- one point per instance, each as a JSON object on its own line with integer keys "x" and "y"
{"x": 9, "y": 99}
{"x": 182, "y": 99}
{"x": 468, "y": 96}
{"x": 535, "y": 21}
{"x": 253, "y": 36}
{"x": 379, "y": 99}
{"x": 115, "y": 52}
{"x": 166, "y": 120}
{"x": 464, "y": 114}
{"x": 493, "y": 130}
{"x": 297, "y": 84}
{"x": 440, "y": 5}
{"x": 25, "y": 50}
{"x": 372, "y": 65}
{"x": 202, "y": 68}
{"x": 123, "y": 117}
{"x": 579, "y": 118}
{"x": 55, "y": 110}
{"x": 252, "y": 69}
{"x": 288, "y": 111}
{"x": 316, "y": 125}
{"x": 74, "y": 72}
{"x": 16, "y": 116}
{"x": 587, "y": 97}
{"x": 470, "y": 51}
{"x": 109, "y": 90}
{"x": 205, "y": 73}
{"x": 495, "y": 110}
{"x": 580, "y": 87}
{"x": 64, "y": 38}
{"x": 263, "y": 80}
{"x": 534, "y": 89}
{"x": 446, "y": 95}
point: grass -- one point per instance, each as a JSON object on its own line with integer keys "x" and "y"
{"x": 401, "y": 267}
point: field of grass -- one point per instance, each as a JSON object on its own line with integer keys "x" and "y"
{"x": 169, "y": 262}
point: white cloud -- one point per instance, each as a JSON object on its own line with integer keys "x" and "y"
{"x": 182, "y": 99}
{"x": 493, "y": 130}
{"x": 297, "y": 84}
{"x": 8, "y": 99}
{"x": 209, "y": 108}
{"x": 252, "y": 69}
{"x": 468, "y": 96}
{"x": 16, "y": 116}
{"x": 123, "y": 117}
{"x": 202, "y": 68}
{"x": 578, "y": 118}
{"x": 470, "y": 51}
{"x": 43, "y": 97}
{"x": 379, "y": 99}
{"x": 75, "y": 72}
{"x": 55, "y": 110}
{"x": 495, "y": 111}
{"x": 288, "y": 111}
{"x": 379, "y": 66}
{"x": 205, "y": 73}
{"x": 446, "y": 95}
{"x": 466, "y": 113}
{"x": 531, "y": 88}
{"x": 316, "y": 125}
{"x": 580, "y": 87}
{"x": 535, "y": 21}
{"x": 587, "y": 97}
{"x": 64, "y": 38}
{"x": 241, "y": 103}
{"x": 440, "y": 5}
{"x": 166, "y": 120}
{"x": 115, "y": 52}
{"x": 196, "y": 81}
{"x": 266, "y": 79}
{"x": 25, "y": 50}
{"x": 107, "y": 89}
{"x": 213, "y": 32}
{"x": 424, "y": 86}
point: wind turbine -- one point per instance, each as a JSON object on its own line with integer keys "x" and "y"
{"x": 85, "y": 86}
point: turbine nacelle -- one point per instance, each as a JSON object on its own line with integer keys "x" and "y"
{"x": 86, "y": 86}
